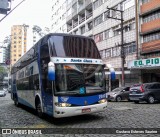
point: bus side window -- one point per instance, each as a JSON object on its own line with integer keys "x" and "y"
{"x": 49, "y": 87}
{"x": 44, "y": 60}
{"x": 44, "y": 66}
{"x": 36, "y": 82}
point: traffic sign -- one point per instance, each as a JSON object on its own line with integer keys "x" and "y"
{"x": 8, "y": 62}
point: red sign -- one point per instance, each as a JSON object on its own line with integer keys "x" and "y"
{"x": 7, "y": 62}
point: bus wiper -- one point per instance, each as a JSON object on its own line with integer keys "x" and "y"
{"x": 95, "y": 88}
{"x": 72, "y": 92}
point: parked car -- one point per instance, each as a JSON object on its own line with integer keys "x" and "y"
{"x": 5, "y": 89}
{"x": 118, "y": 94}
{"x": 2, "y": 92}
{"x": 149, "y": 92}
{"x": 9, "y": 89}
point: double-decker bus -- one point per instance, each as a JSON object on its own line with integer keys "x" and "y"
{"x": 62, "y": 75}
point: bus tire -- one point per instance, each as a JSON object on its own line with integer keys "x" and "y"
{"x": 39, "y": 109}
{"x": 16, "y": 102}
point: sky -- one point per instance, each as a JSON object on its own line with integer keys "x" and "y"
{"x": 30, "y": 12}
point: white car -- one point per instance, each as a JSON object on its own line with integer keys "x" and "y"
{"x": 2, "y": 92}
{"x": 9, "y": 89}
{"x": 5, "y": 89}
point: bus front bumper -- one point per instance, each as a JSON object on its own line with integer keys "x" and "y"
{"x": 79, "y": 110}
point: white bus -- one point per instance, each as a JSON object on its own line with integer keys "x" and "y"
{"x": 62, "y": 75}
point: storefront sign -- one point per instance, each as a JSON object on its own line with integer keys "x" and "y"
{"x": 144, "y": 63}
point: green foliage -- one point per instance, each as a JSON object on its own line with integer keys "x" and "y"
{"x": 3, "y": 71}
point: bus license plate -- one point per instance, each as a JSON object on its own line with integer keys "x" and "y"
{"x": 86, "y": 110}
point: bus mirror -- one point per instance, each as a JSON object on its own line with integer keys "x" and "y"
{"x": 51, "y": 71}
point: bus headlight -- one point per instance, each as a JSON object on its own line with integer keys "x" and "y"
{"x": 62, "y": 104}
{"x": 102, "y": 101}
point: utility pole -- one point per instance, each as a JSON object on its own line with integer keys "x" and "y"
{"x": 122, "y": 41}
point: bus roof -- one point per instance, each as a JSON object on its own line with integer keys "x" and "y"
{"x": 31, "y": 54}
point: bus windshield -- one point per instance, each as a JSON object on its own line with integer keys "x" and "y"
{"x": 71, "y": 78}
{"x": 78, "y": 47}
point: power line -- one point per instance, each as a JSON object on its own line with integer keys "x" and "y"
{"x": 12, "y": 10}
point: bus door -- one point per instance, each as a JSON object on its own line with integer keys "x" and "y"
{"x": 46, "y": 85}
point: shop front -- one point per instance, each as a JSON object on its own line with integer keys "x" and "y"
{"x": 149, "y": 69}
{"x": 130, "y": 77}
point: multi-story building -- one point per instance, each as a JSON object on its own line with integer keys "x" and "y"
{"x": 2, "y": 55}
{"x": 91, "y": 18}
{"x": 7, "y": 54}
{"x": 18, "y": 42}
{"x": 38, "y": 33}
{"x": 58, "y": 16}
{"x": 149, "y": 40}
{"x": 36, "y": 36}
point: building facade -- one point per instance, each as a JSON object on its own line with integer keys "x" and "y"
{"x": 7, "y": 54}
{"x": 91, "y": 18}
{"x": 58, "y": 16}
{"x": 38, "y": 33}
{"x": 2, "y": 55}
{"x": 148, "y": 41}
{"x": 18, "y": 42}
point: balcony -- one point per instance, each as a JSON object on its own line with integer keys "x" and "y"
{"x": 81, "y": 20}
{"x": 74, "y": 1}
{"x": 68, "y": 5}
{"x": 69, "y": 17}
{"x": 150, "y": 26}
{"x": 75, "y": 24}
{"x": 153, "y": 4}
{"x": 69, "y": 28}
{"x": 87, "y": 2}
{"x": 74, "y": 13}
{"x": 150, "y": 47}
{"x": 81, "y": 8}
{"x": 89, "y": 15}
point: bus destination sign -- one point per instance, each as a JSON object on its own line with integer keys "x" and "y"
{"x": 77, "y": 60}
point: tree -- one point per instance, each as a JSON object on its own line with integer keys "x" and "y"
{"x": 37, "y": 29}
{"x": 3, "y": 72}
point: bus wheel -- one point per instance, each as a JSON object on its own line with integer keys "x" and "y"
{"x": 16, "y": 101}
{"x": 39, "y": 110}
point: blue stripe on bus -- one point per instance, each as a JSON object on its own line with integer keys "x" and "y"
{"x": 81, "y": 101}
{"x": 47, "y": 100}
{"x": 49, "y": 110}
{"x": 24, "y": 102}
{"x": 48, "y": 103}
